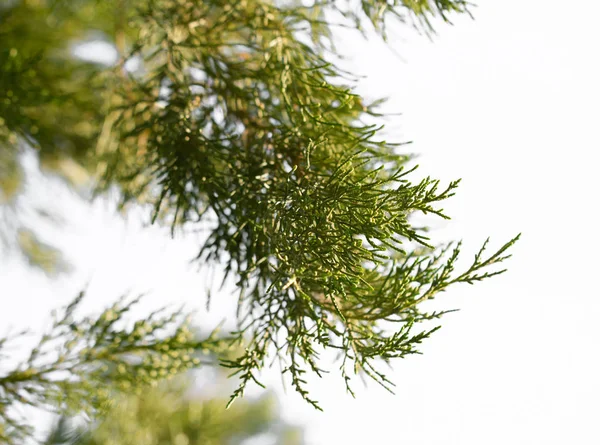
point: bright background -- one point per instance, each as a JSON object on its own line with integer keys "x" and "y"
{"x": 508, "y": 102}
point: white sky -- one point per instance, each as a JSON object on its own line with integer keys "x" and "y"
{"x": 509, "y": 102}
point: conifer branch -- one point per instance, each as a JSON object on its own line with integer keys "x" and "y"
{"x": 82, "y": 363}
{"x": 238, "y": 119}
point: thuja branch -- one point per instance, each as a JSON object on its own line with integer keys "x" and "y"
{"x": 83, "y": 363}
{"x": 251, "y": 130}
{"x": 238, "y": 118}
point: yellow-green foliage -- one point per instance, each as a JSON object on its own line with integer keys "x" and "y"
{"x": 174, "y": 415}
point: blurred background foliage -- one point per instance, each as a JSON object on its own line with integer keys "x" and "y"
{"x": 50, "y": 103}
{"x": 177, "y": 414}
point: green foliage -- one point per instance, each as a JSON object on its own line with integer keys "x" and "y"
{"x": 171, "y": 415}
{"x": 39, "y": 253}
{"x": 82, "y": 363}
{"x": 235, "y": 116}
{"x": 48, "y": 100}
{"x": 11, "y": 173}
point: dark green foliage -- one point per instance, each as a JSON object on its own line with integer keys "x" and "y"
{"x": 236, "y": 117}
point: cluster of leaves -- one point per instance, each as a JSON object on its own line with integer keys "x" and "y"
{"x": 169, "y": 414}
{"x": 50, "y": 101}
{"x": 82, "y": 363}
{"x": 234, "y": 114}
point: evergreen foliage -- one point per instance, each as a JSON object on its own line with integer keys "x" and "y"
{"x": 81, "y": 363}
{"x": 234, "y": 115}
{"x": 175, "y": 415}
